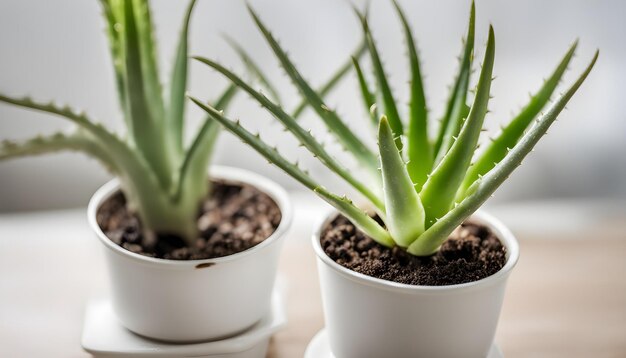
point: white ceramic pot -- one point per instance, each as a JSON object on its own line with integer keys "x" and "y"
{"x": 370, "y": 317}
{"x": 195, "y": 300}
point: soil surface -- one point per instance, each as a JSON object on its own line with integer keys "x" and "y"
{"x": 233, "y": 218}
{"x": 471, "y": 253}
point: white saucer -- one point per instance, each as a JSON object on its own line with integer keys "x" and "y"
{"x": 104, "y": 336}
{"x": 319, "y": 348}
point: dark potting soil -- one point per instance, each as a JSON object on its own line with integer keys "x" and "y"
{"x": 471, "y": 253}
{"x": 233, "y": 218}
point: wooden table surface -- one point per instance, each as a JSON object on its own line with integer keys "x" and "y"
{"x": 566, "y": 298}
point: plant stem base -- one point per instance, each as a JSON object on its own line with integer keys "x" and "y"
{"x": 104, "y": 336}
{"x": 320, "y": 348}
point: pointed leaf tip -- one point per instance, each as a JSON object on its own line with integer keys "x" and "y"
{"x": 383, "y": 122}
{"x": 405, "y": 213}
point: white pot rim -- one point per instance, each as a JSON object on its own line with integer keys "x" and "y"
{"x": 242, "y": 176}
{"x": 498, "y": 228}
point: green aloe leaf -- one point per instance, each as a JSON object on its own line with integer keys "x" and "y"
{"x": 176, "y": 107}
{"x": 141, "y": 186}
{"x": 332, "y": 121}
{"x": 149, "y": 64}
{"x": 405, "y": 213}
{"x": 456, "y": 109}
{"x": 511, "y": 133}
{"x": 193, "y": 172}
{"x": 115, "y": 35}
{"x": 79, "y": 119}
{"x": 300, "y": 133}
{"x": 80, "y": 141}
{"x": 333, "y": 81}
{"x": 146, "y": 131}
{"x": 483, "y": 188}
{"x": 270, "y": 153}
{"x": 389, "y": 103}
{"x": 419, "y": 151}
{"x": 440, "y": 189}
{"x": 359, "y": 217}
{"x": 254, "y": 69}
{"x": 369, "y": 99}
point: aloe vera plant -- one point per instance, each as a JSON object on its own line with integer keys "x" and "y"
{"x": 425, "y": 186}
{"x": 163, "y": 179}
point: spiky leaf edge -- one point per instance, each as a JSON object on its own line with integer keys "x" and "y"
{"x": 175, "y": 112}
{"x": 418, "y": 151}
{"x": 388, "y": 101}
{"x": 483, "y": 188}
{"x": 456, "y": 109}
{"x": 358, "y": 216}
{"x": 304, "y": 136}
{"x": 332, "y": 121}
{"x": 404, "y": 210}
{"x": 440, "y": 189}
{"x": 499, "y": 146}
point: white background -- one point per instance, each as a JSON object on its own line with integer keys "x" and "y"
{"x": 57, "y": 50}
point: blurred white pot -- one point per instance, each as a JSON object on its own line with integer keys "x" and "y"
{"x": 195, "y": 300}
{"x": 370, "y": 317}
